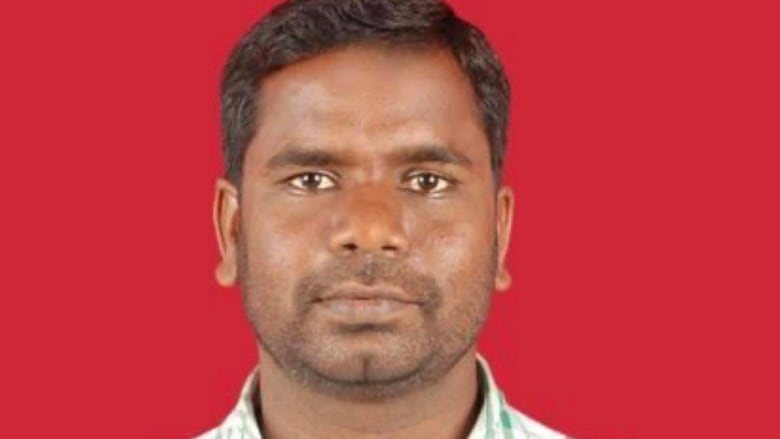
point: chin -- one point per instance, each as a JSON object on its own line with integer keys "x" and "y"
{"x": 367, "y": 364}
{"x": 367, "y": 378}
{"x": 365, "y": 373}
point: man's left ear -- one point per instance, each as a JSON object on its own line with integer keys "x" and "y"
{"x": 505, "y": 206}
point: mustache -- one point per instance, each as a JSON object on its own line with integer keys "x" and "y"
{"x": 370, "y": 270}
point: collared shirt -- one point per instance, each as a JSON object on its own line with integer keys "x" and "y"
{"x": 497, "y": 419}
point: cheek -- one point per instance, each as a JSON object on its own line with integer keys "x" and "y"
{"x": 456, "y": 251}
{"x": 280, "y": 234}
{"x": 279, "y": 250}
{"x": 268, "y": 247}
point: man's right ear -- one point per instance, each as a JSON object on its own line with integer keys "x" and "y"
{"x": 226, "y": 217}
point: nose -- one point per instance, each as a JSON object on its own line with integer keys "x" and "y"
{"x": 369, "y": 220}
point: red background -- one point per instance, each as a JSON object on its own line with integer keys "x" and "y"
{"x": 645, "y": 252}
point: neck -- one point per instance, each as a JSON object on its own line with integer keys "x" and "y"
{"x": 444, "y": 410}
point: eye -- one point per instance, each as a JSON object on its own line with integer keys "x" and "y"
{"x": 312, "y": 181}
{"x": 429, "y": 183}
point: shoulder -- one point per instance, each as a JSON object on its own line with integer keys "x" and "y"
{"x": 501, "y": 418}
{"x": 211, "y": 434}
{"x": 240, "y": 423}
{"x": 229, "y": 430}
{"x": 526, "y": 426}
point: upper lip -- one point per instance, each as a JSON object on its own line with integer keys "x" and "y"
{"x": 352, "y": 291}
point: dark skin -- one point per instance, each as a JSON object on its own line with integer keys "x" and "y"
{"x": 368, "y": 239}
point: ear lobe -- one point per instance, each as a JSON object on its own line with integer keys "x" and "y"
{"x": 505, "y": 206}
{"x": 503, "y": 279}
{"x": 225, "y": 216}
{"x": 226, "y": 274}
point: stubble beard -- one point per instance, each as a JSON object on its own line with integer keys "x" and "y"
{"x": 409, "y": 363}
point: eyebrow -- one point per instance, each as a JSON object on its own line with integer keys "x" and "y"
{"x": 430, "y": 154}
{"x": 306, "y": 157}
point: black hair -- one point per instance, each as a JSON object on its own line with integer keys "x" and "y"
{"x": 300, "y": 29}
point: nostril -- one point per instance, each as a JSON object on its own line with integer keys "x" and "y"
{"x": 350, "y": 246}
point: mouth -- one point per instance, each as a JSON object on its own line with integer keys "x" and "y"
{"x": 355, "y": 303}
{"x": 368, "y": 294}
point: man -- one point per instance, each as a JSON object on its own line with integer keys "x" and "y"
{"x": 364, "y": 218}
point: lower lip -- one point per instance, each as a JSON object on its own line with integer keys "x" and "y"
{"x": 366, "y": 310}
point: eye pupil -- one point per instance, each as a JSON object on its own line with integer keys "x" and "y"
{"x": 427, "y": 181}
{"x": 311, "y": 180}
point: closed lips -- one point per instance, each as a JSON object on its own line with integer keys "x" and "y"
{"x": 367, "y": 293}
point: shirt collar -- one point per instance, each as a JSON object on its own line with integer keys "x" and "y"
{"x": 494, "y": 420}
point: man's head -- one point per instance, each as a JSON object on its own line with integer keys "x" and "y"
{"x": 362, "y": 213}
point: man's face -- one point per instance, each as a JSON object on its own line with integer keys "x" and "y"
{"x": 368, "y": 236}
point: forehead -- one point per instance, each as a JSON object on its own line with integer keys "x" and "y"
{"x": 370, "y": 100}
